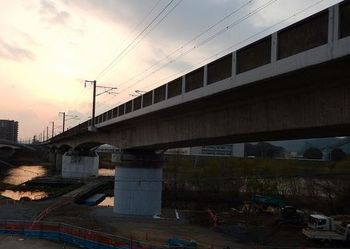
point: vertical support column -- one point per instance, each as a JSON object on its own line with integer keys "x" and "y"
{"x": 205, "y": 76}
{"x": 138, "y": 183}
{"x": 330, "y": 31}
{"x": 152, "y": 97}
{"x": 274, "y": 47}
{"x": 183, "y": 84}
{"x": 336, "y": 23}
{"x": 234, "y": 66}
{"x": 166, "y": 91}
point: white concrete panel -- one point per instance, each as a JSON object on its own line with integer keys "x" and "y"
{"x": 79, "y": 166}
{"x": 138, "y": 191}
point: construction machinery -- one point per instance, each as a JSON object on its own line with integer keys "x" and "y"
{"x": 321, "y": 227}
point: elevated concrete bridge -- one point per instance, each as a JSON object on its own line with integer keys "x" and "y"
{"x": 291, "y": 84}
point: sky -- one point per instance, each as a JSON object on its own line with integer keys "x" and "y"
{"x": 48, "y": 49}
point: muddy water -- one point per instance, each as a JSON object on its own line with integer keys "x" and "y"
{"x": 18, "y": 195}
{"x": 106, "y": 172}
{"x": 107, "y": 202}
{"x": 19, "y": 175}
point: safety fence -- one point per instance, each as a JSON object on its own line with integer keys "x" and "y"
{"x": 74, "y": 235}
{"x": 86, "y": 238}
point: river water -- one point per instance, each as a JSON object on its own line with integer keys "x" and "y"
{"x": 12, "y": 176}
{"x": 18, "y": 175}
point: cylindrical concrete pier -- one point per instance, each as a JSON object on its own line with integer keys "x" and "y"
{"x": 138, "y": 183}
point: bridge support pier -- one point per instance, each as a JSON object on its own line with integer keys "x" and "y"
{"x": 138, "y": 183}
{"x": 58, "y": 161}
{"x": 80, "y": 164}
{"x": 52, "y": 159}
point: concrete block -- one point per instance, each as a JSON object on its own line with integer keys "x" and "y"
{"x": 76, "y": 166}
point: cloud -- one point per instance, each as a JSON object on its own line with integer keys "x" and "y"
{"x": 52, "y": 16}
{"x": 27, "y": 38}
{"x": 14, "y": 52}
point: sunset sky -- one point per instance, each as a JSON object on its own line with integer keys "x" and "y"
{"x": 48, "y": 48}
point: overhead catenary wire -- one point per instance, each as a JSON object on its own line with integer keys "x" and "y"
{"x": 241, "y": 42}
{"x": 134, "y": 45}
{"x": 80, "y": 95}
{"x": 201, "y": 43}
{"x": 143, "y": 19}
{"x": 150, "y": 30}
{"x": 192, "y": 40}
{"x": 198, "y": 35}
{"x": 221, "y": 31}
{"x": 111, "y": 64}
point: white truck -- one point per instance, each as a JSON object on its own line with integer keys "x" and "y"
{"x": 321, "y": 227}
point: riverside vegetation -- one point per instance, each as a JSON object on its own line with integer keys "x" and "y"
{"x": 224, "y": 182}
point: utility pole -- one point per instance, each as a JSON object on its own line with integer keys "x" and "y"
{"x": 47, "y": 132}
{"x": 63, "y": 120}
{"x": 53, "y": 129}
{"x": 107, "y": 89}
{"x": 43, "y": 135}
{"x": 93, "y": 82}
{"x": 64, "y": 116}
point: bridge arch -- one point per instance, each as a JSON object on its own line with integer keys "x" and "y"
{"x": 87, "y": 146}
{"x": 63, "y": 148}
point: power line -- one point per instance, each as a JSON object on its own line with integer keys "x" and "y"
{"x": 188, "y": 42}
{"x": 135, "y": 27}
{"x": 150, "y": 30}
{"x": 221, "y": 31}
{"x": 145, "y": 17}
{"x": 79, "y": 96}
{"x": 243, "y": 41}
{"x": 192, "y": 40}
{"x": 201, "y": 43}
{"x": 134, "y": 40}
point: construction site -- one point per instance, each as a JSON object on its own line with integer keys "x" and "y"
{"x": 241, "y": 211}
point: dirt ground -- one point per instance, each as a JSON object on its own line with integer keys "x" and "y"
{"x": 10, "y": 242}
{"x": 156, "y": 231}
{"x": 236, "y": 231}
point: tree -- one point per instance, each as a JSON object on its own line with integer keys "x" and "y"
{"x": 312, "y": 153}
{"x": 337, "y": 155}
